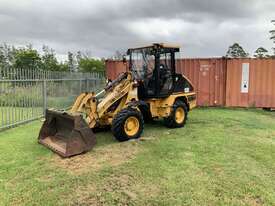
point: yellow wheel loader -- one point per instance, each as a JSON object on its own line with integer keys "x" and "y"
{"x": 150, "y": 90}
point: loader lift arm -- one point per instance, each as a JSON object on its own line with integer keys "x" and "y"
{"x": 120, "y": 91}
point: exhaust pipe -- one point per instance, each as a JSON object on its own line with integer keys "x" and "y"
{"x": 65, "y": 134}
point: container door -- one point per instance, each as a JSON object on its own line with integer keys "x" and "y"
{"x": 204, "y": 83}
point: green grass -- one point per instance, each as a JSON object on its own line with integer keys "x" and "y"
{"x": 221, "y": 157}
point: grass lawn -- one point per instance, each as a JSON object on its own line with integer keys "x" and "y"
{"x": 221, "y": 157}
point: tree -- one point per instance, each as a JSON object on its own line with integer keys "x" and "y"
{"x": 7, "y": 56}
{"x": 236, "y": 51}
{"x": 49, "y": 60}
{"x": 118, "y": 55}
{"x": 86, "y": 63}
{"x": 78, "y": 57}
{"x": 261, "y": 53}
{"x": 3, "y": 61}
{"x": 27, "y": 58}
{"x": 91, "y": 65}
{"x": 71, "y": 62}
{"x": 63, "y": 66}
{"x": 272, "y": 32}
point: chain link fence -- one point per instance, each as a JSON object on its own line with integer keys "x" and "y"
{"x": 25, "y": 94}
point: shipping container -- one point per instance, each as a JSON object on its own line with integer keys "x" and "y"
{"x": 245, "y": 82}
{"x": 208, "y": 77}
{"x": 250, "y": 83}
{"x": 114, "y": 68}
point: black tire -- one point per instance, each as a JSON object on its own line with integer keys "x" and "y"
{"x": 170, "y": 121}
{"x": 147, "y": 117}
{"x": 101, "y": 129}
{"x": 119, "y": 121}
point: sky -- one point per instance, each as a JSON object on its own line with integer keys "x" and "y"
{"x": 203, "y": 28}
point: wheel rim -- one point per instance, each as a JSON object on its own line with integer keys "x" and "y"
{"x": 131, "y": 126}
{"x": 179, "y": 115}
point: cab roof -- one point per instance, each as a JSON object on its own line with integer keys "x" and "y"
{"x": 158, "y": 45}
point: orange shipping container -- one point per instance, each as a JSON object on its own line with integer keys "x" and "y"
{"x": 114, "y": 68}
{"x": 250, "y": 83}
{"x": 208, "y": 77}
{"x": 223, "y": 82}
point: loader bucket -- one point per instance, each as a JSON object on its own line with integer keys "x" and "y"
{"x": 65, "y": 134}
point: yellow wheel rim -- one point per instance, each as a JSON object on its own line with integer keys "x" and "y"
{"x": 179, "y": 115}
{"x": 131, "y": 126}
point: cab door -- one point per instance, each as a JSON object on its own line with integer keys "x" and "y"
{"x": 166, "y": 74}
{"x": 204, "y": 91}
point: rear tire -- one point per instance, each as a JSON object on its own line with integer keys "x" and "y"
{"x": 178, "y": 115}
{"x": 127, "y": 124}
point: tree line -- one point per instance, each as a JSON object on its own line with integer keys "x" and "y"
{"x": 29, "y": 58}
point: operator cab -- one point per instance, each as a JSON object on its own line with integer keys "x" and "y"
{"x": 154, "y": 69}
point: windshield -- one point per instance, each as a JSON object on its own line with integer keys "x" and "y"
{"x": 142, "y": 63}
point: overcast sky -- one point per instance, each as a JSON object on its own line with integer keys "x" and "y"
{"x": 203, "y": 28}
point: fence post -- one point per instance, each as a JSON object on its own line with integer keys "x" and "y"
{"x": 87, "y": 85}
{"x": 44, "y": 96}
{"x": 80, "y": 86}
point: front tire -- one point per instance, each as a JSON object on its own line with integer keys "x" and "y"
{"x": 178, "y": 115}
{"x": 127, "y": 124}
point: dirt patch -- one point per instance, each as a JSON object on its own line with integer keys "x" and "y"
{"x": 85, "y": 196}
{"x": 148, "y": 138}
{"x": 112, "y": 188}
{"x": 270, "y": 134}
{"x": 99, "y": 157}
{"x": 120, "y": 187}
{"x": 45, "y": 178}
{"x": 253, "y": 201}
{"x": 129, "y": 186}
